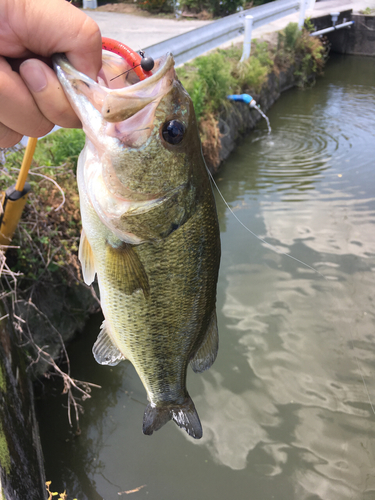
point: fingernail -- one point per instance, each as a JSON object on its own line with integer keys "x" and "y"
{"x": 33, "y": 74}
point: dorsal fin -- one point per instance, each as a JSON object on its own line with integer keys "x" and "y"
{"x": 104, "y": 351}
{"x": 86, "y": 258}
{"x": 207, "y": 352}
{"x": 125, "y": 269}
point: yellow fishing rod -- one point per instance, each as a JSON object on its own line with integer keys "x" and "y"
{"x": 14, "y": 198}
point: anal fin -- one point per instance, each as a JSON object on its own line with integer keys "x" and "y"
{"x": 207, "y": 352}
{"x": 126, "y": 270}
{"x": 104, "y": 351}
{"x": 86, "y": 258}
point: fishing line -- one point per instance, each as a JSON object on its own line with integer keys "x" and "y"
{"x": 273, "y": 248}
{"x": 124, "y": 73}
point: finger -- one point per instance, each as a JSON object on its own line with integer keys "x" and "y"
{"x": 8, "y": 137}
{"x": 18, "y": 110}
{"x": 75, "y": 33}
{"x": 86, "y": 58}
{"x": 48, "y": 94}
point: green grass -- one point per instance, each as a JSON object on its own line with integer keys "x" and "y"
{"x": 61, "y": 147}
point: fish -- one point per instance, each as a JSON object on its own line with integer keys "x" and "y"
{"x": 150, "y": 231}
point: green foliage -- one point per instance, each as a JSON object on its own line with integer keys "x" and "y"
{"x": 208, "y": 82}
{"x": 298, "y": 47}
{"x": 61, "y": 147}
{"x": 288, "y": 37}
{"x": 251, "y": 74}
{"x": 215, "y": 73}
{"x": 156, "y": 6}
{"x": 198, "y": 94}
{"x": 312, "y": 55}
{"x": 226, "y": 7}
{"x": 309, "y": 25}
{"x": 218, "y": 8}
{"x": 368, "y": 11}
{"x": 5, "y": 462}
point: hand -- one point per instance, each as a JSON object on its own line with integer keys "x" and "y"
{"x": 31, "y": 98}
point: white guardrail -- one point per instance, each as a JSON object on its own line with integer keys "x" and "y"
{"x": 198, "y": 41}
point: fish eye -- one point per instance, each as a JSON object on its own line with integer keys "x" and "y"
{"x": 173, "y": 131}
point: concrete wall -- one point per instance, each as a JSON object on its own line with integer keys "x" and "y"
{"x": 359, "y": 39}
{"x": 21, "y": 461}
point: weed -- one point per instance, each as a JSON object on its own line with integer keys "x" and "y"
{"x": 298, "y": 47}
{"x": 368, "y": 11}
{"x": 51, "y": 494}
{"x": 156, "y": 6}
{"x": 60, "y": 148}
{"x": 208, "y": 82}
{"x": 309, "y": 26}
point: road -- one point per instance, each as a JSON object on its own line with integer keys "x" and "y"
{"x": 139, "y": 32}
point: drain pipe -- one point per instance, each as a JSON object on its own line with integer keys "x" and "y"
{"x": 332, "y": 28}
{"x": 334, "y": 17}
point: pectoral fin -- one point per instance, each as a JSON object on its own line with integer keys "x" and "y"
{"x": 86, "y": 258}
{"x": 207, "y": 352}
{"x": 125, "y": 269}
{"x": 104, "y": 351}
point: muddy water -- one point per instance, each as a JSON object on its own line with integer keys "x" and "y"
{"x": 286, "y": 408}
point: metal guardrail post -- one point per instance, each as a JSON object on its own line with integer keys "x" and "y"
{"x": 302, "y": 13}
{"x": 248, "y": 22}
{"x": 89, "y": 4}
{"x": 311, "y": 4}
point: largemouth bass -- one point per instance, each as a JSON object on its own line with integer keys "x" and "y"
{"x": 150, "y": 230}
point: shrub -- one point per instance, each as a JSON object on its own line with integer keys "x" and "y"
{"x": 288, "y": 37}
{"x": 208, "y": 83}
{"x": 226, "y": 7}
{"x": 156, "y": 6}
{"x": 218, "y": 8}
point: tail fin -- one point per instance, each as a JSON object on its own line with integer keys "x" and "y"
{"x": 185, "y": 416}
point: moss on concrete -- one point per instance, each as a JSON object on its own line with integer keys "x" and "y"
{"x": 3, "y": 385}
{"x": 4, "y": 452}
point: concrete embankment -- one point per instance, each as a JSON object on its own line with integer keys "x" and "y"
{"x": 21, "y": 460}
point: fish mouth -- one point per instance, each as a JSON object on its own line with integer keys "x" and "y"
{"x": 121, "y": 106}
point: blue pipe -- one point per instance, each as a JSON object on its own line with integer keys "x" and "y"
{"x": 246, "y": 98}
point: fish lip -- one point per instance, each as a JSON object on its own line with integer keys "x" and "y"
{"x": 62, "y": 66}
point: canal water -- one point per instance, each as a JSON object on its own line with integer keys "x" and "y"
{"x": 287, "y": 407}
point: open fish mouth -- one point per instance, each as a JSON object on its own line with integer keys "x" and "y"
{"x": 119, "y": 104}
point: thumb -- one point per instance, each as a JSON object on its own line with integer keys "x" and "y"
{"x": 48, "y": 93}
